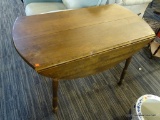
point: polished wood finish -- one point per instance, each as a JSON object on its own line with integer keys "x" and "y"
{"x": 51, "y": 41}
{"x": 93, "y": 64}
{"x": 77, "y": 43}
{"x": 124, "y": 70}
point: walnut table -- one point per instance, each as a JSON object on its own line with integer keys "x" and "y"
{"x": 76, "y": 43}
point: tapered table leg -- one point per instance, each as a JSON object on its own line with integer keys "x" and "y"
{"x": 124, "y": 70}
{"x": 55, "y": 95}
{"x": 150, "y": 53}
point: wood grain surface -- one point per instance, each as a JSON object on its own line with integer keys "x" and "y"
{"x": 81, "y": 42}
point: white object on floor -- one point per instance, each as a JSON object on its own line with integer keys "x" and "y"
{"x": 140, "y": 68}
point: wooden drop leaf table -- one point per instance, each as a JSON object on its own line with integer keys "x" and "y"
{"x": 77, "y": 43}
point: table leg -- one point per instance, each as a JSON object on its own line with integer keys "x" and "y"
{"x": 55, "y": 95}
{"x": 124, "y": 70}
{"x": 150, "y": 53}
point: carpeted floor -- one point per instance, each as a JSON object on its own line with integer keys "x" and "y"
{"x": 25, "y": 95}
